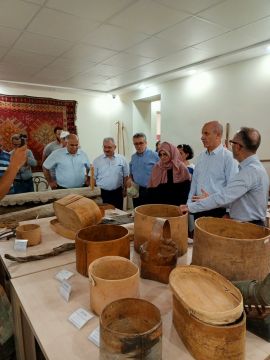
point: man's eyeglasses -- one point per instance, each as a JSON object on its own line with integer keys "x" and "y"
{"x": 138, "y": 143}
{"x": 235, "y": 143}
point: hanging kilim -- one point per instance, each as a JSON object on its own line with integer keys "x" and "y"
{"x": 37, "y": 117}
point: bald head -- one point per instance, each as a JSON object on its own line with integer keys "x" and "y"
{"x": 250, "y": 138}
{"x": 72, "y": 143}
{"x": 211, "y": 135}
{"x": 215, "y": 126}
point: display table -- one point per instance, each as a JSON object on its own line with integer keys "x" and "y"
{"x": 49, "y": 240}
{"x": 41, "y": 314}
{"x": 45, "y": 315}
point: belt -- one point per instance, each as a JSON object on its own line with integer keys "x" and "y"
{"x": 22, "y": 180}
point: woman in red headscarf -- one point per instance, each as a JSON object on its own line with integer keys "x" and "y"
{"x": 170, "y": 178}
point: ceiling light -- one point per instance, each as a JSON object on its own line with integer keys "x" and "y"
{"x": 191, "y": 72}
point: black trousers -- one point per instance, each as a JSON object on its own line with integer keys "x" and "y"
{"x": 218, "y": 213}
{"x": 257, "y": 222}
{"x": 140, "y": 200}
{"x": 113, "y": 197}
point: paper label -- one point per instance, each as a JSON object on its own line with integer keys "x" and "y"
{"x": 80, "y": 317}
{"x": 63, "y": 275}
{"x": 20, "y": 244}
{"x": 94, "y": 336}
{"x": 65, "y": 290}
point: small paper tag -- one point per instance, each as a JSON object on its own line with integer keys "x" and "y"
{"x": 65, "y": 290}
{"x": 80, "y": 317}
{"x": 94, "y": 336}
{"x": 63, "y": 275}
{"x": 20, "y": 244}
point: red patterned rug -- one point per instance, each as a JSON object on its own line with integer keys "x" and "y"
{"x": 37, "y": 117}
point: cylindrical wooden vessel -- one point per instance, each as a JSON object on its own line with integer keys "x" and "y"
{"x": 31, "y": 232}
{"x": 238, "y": 251}
{"x": 130, "y": 329}
{"x": 112, "y": 278}
{"x": 96, "y": 241}
{"x": 145, "y": 216}
{"x": 209, "y": 342}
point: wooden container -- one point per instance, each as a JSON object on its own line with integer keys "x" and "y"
{"x": 209, "y": 342}
{"x": 238, "y": 251}
{"x": 159, "y": 253}
{"x": 145, "y": 216}
{"x": 206, "y": 295}
{"x": 112, "y": 278}
{"x": 31, "y": 232}
{"x": 130, "y": 329}
{"x": 96, "y": 241}
{"x": 76, "y": 212}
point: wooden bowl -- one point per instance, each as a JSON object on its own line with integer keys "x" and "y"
{"x": 31, "y": 232}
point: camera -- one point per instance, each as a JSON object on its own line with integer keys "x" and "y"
{"x": 23, "y": 138}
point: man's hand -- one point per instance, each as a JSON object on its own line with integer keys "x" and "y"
{"x": 128, "y": 182}
{"x": 87, "y": 180}
{"x": 53, "y": 184}
{"x": 183, "y": 209}
{"x": 18, "y": 157}
{"x": 204, "y": 194}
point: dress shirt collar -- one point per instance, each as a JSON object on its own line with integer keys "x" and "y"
{"x": 215, "y": 151}
{"x": 247, "y": 161}
{"x": 107, "y": 157}
{"x": 67, "y": 152}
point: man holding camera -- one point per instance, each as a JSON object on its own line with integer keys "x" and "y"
{"x": 23, "y": 181}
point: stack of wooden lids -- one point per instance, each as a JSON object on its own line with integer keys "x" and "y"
{"x": 73, "y": 213}
{"x": 208, "y": 313}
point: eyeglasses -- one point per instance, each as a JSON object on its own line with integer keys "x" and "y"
{"x": 235, "y": 143}
{"x": 163, "y": 154}
{"x": 138, "y": 143}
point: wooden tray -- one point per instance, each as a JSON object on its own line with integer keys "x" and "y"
{"x": 206, "y": 295}
{"x": 61, "y": 230}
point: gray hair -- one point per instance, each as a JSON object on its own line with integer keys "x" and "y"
{"x": 108, "y": 139}
{"x": 139, "y": 135}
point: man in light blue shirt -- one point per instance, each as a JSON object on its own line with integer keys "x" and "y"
{"x": 246, "y": 194}
{"x": 141, "y": 165}
{"x": 111, "y": 174}
{"x": 71, "y": 166}
{"x": 214, "y": 168}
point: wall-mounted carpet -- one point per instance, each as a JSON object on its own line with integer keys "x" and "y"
{"x": 37, "y": 117}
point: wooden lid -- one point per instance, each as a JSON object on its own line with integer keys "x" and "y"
{"x": 62, "y": 230}
{"x": 206, "y": 294}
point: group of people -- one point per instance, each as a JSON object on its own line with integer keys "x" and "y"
{"x": 223, "y": 182}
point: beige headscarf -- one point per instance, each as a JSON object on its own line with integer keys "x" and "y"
{"x": 159, "y": 171}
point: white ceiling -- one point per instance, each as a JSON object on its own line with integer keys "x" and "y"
{"x": 108, "y": 45}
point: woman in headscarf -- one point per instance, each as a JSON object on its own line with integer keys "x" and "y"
{"x": 170, "y": 178}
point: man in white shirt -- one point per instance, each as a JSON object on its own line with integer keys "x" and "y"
{"x": 214, "y": 168}
{"x": 111, "y": 174}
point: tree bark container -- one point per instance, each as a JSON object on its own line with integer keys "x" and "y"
{"x": 97, "y": 241}
{"x": 145, "y": 216}
{"x": 238, "y": 251}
